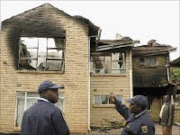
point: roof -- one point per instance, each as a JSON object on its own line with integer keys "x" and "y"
{"x": 175, "y": 63}
{"x": 152, "y": 48}
{"x": 124, "y": 40}
{"x": 105, "y": 44}
{"x": 93, "y": 29}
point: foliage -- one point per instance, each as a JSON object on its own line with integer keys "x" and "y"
{"x": 175, "y": 74}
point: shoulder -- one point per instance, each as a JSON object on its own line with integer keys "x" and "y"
{"x": 145, "y": 120}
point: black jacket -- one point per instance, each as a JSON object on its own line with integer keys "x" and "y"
{"x": 140, "y": 124}
{"x": 43, "y": 118}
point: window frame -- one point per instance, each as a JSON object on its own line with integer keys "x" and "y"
{"x": 145, "y": 63}
{"x": 62, "y": 60}
{"x": 111, "y": 69}
{"x": 107, "y": 96}
{"x": 26, "y": 97}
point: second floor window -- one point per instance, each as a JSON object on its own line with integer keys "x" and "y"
{"x": 41, "y": 53}
{"x": 108, "y": 63}
{"x": 147, "y": 62}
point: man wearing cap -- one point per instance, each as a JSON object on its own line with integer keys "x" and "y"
{"x": 137, "y": 117}
{"x": 43, "y": 118}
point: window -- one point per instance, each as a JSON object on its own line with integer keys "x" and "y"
{"x": 104, "y": 99}
{"x": 26, "y": 99}
{"x": 41, "y": 53}
{"x": 148, "y": 62}
{"x": 108, "y": 63}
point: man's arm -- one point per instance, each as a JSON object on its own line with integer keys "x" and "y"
{"x": 122, "y": 109}
{"x": 59, "y": 123}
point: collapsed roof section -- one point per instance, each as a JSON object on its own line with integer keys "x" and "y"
{"x": 110, "y": 45}
{"x": 152, "y": 48}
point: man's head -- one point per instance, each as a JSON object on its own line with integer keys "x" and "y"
{"x": 166, "y": 98}
{"x": 49, "y": 91}
{"x": 137, "y": 104}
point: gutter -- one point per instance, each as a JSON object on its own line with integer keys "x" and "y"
{"x": 130, "y": 74}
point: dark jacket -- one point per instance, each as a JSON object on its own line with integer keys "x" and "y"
{"x": 43, "y": 118}
{"x": 167, "y": 118}
{"x": 140, "y": 124}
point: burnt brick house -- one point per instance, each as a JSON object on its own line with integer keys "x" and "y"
{"x": 45, "y": 43}
{"x": 111, "y": 72}
{"x": 151, "y": 75}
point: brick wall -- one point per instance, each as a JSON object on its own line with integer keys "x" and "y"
{"x": 103, "y": 115}
{"x": 75, "y": 78}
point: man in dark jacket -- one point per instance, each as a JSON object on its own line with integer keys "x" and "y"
{"x": 167, "y": 116}
{"x": 137, "y": 117}
{"x": 43, "y": 118}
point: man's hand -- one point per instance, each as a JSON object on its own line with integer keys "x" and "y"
{"x": 113, "y": 98}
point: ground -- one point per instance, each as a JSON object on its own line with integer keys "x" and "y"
{"x": 176, "y": 131}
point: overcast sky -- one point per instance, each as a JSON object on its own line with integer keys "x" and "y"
{"x": 140, "y": 20}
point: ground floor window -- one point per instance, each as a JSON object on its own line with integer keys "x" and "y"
{"x": 26, "y": 99}
{"x": 104, "y": 99}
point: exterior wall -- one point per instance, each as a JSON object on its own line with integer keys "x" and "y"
{"x": 74, "y": 79}
{"x": 155, "y": 109}
{"x": 152, "y": 76}
{"x": 176, "y": 115}
{"x": 103, "y": 115}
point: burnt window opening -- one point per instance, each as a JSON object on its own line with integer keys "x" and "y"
{"x": 108, "y": 63}
{"x": 37, "y": 53}
{"x": 147, "y": 62}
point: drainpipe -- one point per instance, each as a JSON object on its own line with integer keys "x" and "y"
{"x": 130, "y": 73}
{"x": 168, "y": 74}
{"x": 89, "y": 92}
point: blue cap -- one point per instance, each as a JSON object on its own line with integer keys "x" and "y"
{"x": 48, "y": 85}
{"x": 138, "y": 100}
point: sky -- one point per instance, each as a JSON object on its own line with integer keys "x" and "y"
{"x": 139, "y": 20}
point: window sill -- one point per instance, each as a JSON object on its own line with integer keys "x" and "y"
{"x": 104, "y": 106}
{"x": 148, "y": 66}
{"x": 40, "y": 72}
{"x": 109, "y": 75}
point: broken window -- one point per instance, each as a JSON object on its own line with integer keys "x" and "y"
{"x": 147, "y": 62}
{"x": 41, "y": 53}
{"x": 26, "y": 99}
{"x": 118, "y": 63}
{"x": 108, "y": 63}
{"x": 104, "y": 99}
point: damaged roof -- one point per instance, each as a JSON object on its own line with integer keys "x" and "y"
{"x": 152, "y": 48}
{"x": 93, "y": 29}
{"x": 175, "y": 63}
{"x": 105, "y": 45}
